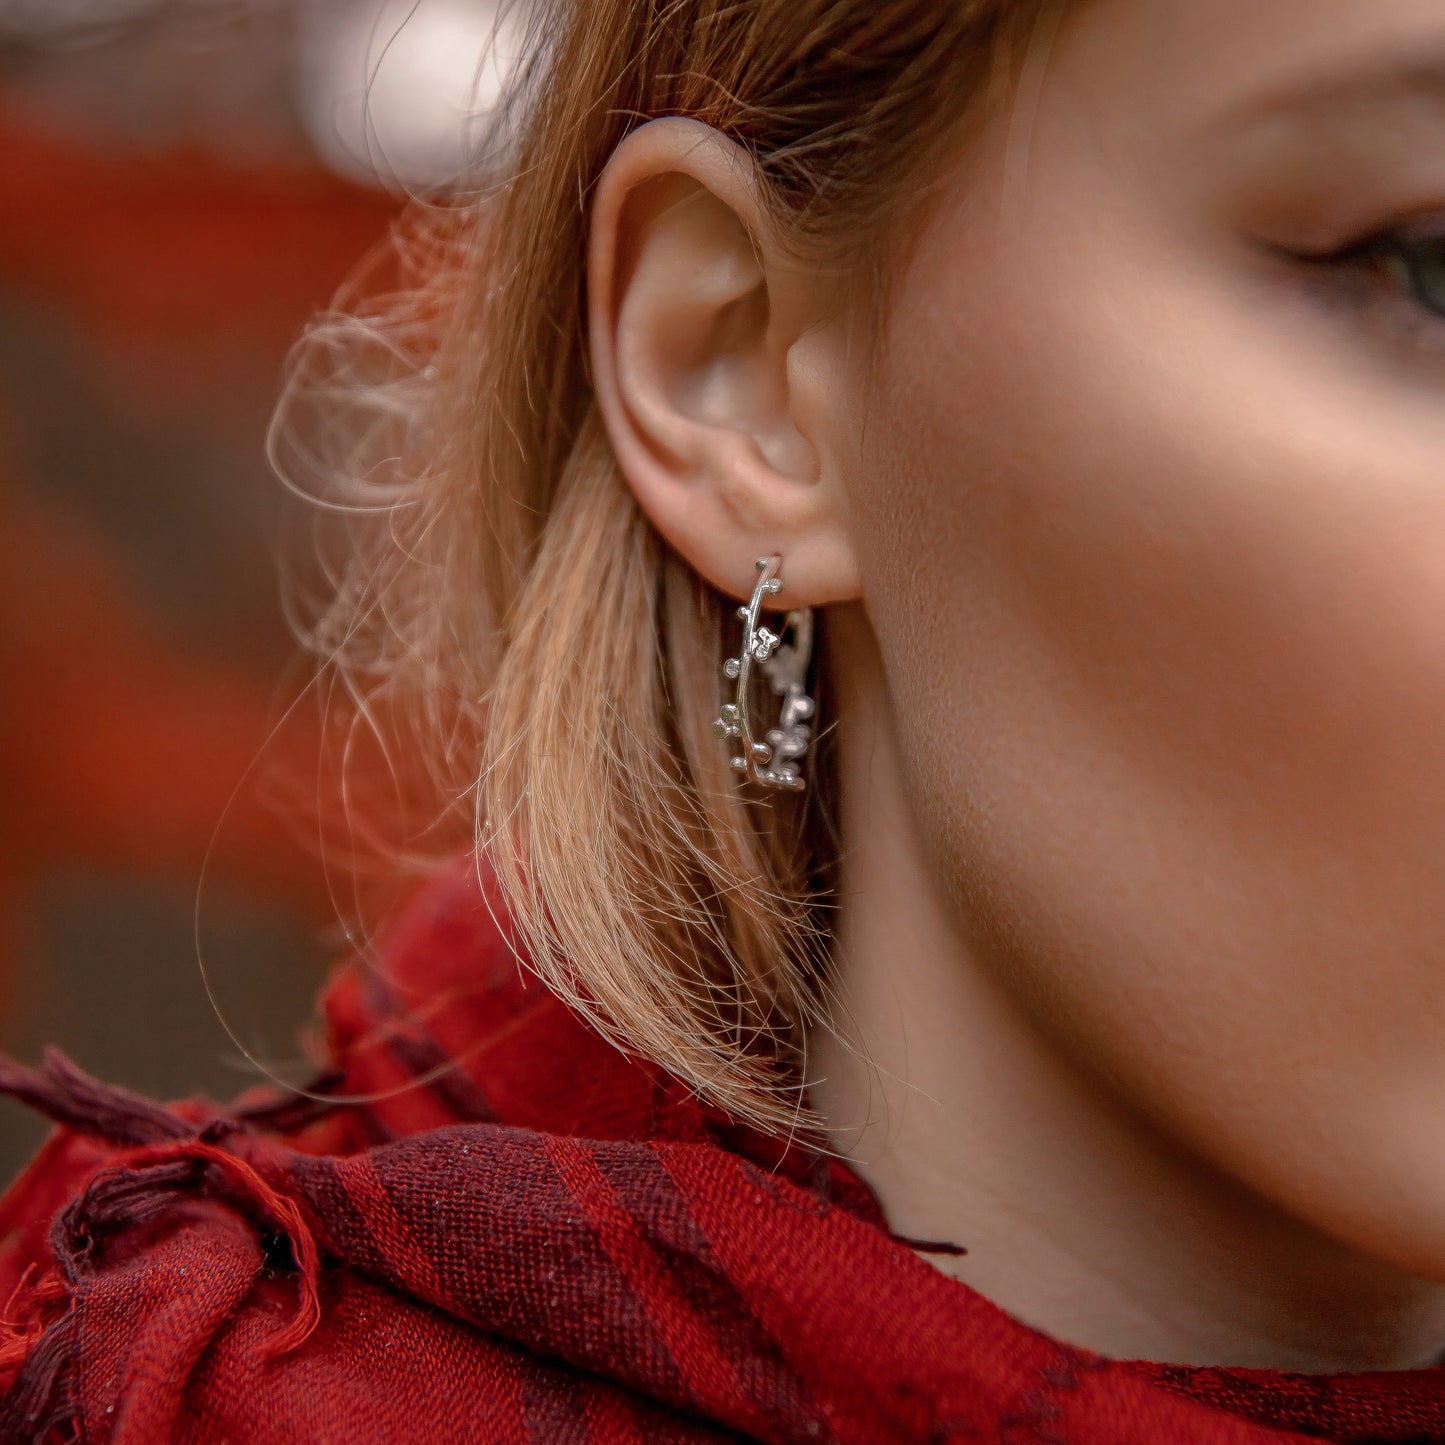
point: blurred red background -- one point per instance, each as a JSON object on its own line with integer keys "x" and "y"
{"x": 167, "y": 223}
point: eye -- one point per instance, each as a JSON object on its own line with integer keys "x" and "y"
{"x": 1405, "y": 262}
{"x": 1416, "y": 265}
{"x": 1393, "y": 281}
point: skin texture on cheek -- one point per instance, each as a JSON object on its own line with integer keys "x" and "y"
{"x": 1154, "y": 562}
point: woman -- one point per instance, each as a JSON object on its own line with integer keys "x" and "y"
{"x": 1035, "y": 971}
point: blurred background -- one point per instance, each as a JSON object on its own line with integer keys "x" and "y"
{"x": 182, "y": 182}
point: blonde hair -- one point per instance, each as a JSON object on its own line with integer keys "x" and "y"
{"x": 501, "y": 607}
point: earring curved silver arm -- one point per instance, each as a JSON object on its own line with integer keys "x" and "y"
{"x": 773, "y": 761}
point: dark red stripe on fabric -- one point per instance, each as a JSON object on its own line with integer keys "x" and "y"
{"x": 292, "y": 1113}
{"x": 619, "y": 1418}
{"x": 900, "y": 1351}
{"x": 564, "y": 1407}
{"x": 477, "y": 1218}
{"x": 756, "y": 1359}
{"x": 391, "y": 1233}
{"x": 408, "y": 1080}
{"x": 1361, "y": 1406}
{"x": 454, "y": 1091}
{"x": 344, "y": 1230}
{"x": 555, "y": 1406}
{"x": 374, "y": 1130}
{"x": 706, "y": 1371}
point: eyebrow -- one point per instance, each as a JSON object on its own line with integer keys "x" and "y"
{"x": 1392, "y": 78}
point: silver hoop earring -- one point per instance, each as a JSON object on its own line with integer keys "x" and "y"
{"x": 772, "y": 762}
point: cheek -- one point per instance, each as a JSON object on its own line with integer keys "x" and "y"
{"x": 1161, "y": 587}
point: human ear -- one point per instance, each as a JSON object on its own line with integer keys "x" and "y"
{"x": 717, "y": 367}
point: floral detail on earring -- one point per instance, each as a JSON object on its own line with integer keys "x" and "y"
{"x": 772, "y": 762}
{"x": 764, "y": 643}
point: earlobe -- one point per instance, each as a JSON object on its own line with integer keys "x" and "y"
{"x": 706, "y": 350}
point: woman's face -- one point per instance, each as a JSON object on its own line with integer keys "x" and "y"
{"x": 1152, "y": 510}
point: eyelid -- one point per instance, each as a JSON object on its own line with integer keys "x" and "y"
{"x": 1355, "y": 279}
{"x": 1422, "y": 228}
{"x": 1425, "y": 228}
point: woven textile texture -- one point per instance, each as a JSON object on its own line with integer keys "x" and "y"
{"x": 530, "y": 1238}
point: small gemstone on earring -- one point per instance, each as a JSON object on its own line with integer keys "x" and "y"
{"x": 739, "y": 765}
{"x": 732, "y": 667}
{"x": 763, "y": 644}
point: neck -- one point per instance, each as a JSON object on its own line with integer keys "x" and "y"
{"x": 1077, "y": 1215}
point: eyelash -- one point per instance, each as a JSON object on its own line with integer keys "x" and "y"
{"x": 1377, "y": 273}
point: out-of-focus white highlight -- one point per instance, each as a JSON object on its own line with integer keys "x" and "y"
{"x": 51, "y": 19}
{"x": 394, "y": 91}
